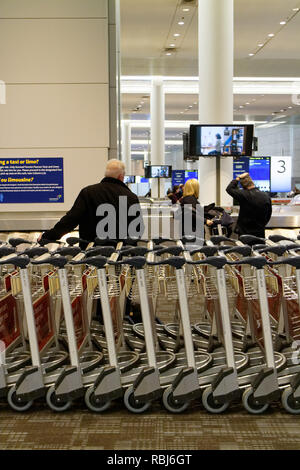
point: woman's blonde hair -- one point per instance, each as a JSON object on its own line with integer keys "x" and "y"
{"x": 191, "y": 188}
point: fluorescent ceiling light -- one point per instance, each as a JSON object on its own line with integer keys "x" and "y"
{"x": 282, "y": 22}
{"x": 176, "y": 35}
{"x": 251, "y": 54}
{"x": 180, "y": 23}
{"x": 271, "y": 35}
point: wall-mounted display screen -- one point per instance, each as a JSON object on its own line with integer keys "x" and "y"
{"x": 161, "y": 171}
{"x": 281, "y": 174}
{"x": 224, "y": 140}
{"x": 129, "y": 179}
{"x": 258, "y": 169}
{"x": 181, "y": 176}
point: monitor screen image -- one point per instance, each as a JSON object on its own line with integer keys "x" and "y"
{"x": 161, "y": 171}
{"x": 258, "y": 169}
{"x": 129, "y": 179}
{"x": 231, "y": 140}
{"x": 181, "y": 176}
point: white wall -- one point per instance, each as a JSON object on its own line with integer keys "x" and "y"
{"x": 54, "y": 61}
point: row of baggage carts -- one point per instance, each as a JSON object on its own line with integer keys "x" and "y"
{"x": 218, "y": 322}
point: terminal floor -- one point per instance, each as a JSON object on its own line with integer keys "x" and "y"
{"x": 118, "y": 429}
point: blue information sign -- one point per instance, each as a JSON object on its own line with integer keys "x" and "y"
{"x": 31, "y": 180}
{"x": 181, "y": 176}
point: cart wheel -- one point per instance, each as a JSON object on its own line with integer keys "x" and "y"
{"x": 210, "y": 403}
{"x": 17, "y": 403}
{"x": 171, "y": 404}
{"x": 250, "y": 405}
{"x": 289, "y": 403}
{"x": 56, "y": 403}
{"x": 134, "y": 405}
{"x": 95, "y": 403}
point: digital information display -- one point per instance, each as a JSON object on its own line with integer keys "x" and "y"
{"x": 272, "y": 174}
{"x": 281, "y": 174}
{"x": 258, "y": 169}
{"x": 181, "y": 176}
{"x": 31, "y": 180}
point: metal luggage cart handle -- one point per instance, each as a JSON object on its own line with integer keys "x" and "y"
{"x": 206, "y": 250}
{"x": 171, "y": 250}
{"x": 241, "y": 250}
{"x": 106, "y": 251}
{"x": 135, "y": 251}
{"x": 96, "y": 261}
{"x": 6, "y": 250}
{"x": 216, "y": 261}
{"x": 21, "y": 261}
{"x": 74, "y": 240}
{"x": 217, "y": 239}
{"x": 293, "y": 261}
{"x": 36, "y": 251}
{"x": 279, "y": 238}
{"x": 251, "y": 240}
{"x": 175, "y": 262}
{"x": 278, "y": 250}
{"x": 138, "y": 262}
{"x": 67, "y": 251}
{"x": 57, "y": 261}
{"x": 44, "y": 242}
{"x": 18, "y": 241}
{"x": 258, "y": 262}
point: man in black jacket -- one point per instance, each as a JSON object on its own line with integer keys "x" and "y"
{"x": 255, "y": 206}
{"x": 101, "y": 210}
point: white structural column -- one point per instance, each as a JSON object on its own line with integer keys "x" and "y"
{"x": 157, "y": 111}
{"x": 126, "y": 146}
{"x": 215, "y": 43}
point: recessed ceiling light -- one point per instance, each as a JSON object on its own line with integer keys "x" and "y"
{"x": 271, "y": 35}
{"x": 296, "y": 9}
{"x": 282, "y": 22}
{"x": 196, "y": 102}
{"x": 171, "y": 45}
{"x": 176, "y": 35}
{"x": 185, "y": 9}
{"x": 241, "y": 106}
{"x": 247, "y": 103}
{"x": 251, "y": 54}
{"x": 168, "y": 53}
{"x": 290, "y": 107}
{"x": 261, "y": 44}
{"x": 190, "y": 106}
{"x": 180, "y": 22}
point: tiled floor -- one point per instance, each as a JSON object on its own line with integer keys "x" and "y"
{"x": 118, "y": 429}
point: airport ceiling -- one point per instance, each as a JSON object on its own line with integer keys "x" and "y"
{"x": 148, "y": 28}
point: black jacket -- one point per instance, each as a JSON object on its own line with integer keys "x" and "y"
{"x": 192, "y": 204}
{"x": 83, "y": 212}
{"x": 255, "y": 209}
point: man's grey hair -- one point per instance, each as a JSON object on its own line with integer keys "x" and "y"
{"x": 114, "y": 168}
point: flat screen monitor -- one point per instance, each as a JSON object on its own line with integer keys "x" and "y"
{"x": 181, "y": 176}
{"x": 259, "y": 169}
{"x": 158, "y": 171}
{"x": 223, "y": 140}
{"x": 129, "y": 179}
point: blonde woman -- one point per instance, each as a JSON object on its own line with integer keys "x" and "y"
{"x": 190, "y": 197}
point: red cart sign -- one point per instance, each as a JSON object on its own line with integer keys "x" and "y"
{"x": 43, "y": 320}
{"x": 79, "y": 323}
{"x": 9, "y": 324}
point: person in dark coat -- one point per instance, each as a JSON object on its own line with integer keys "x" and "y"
{"x": 89, "y": 209}
{"x": 255, "y": 206}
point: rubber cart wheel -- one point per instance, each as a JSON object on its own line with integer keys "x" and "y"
{"x": 55, "y": 403}
{"x": 250, "y": 405}
{"x": 289, "y": 402}
{"x": 171, "y": 404}
{"x": 134, "y": 405}
{"x": 18, "y": 403}
{"x": 211, "y": 404}
{"x": 95, "y": 403}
